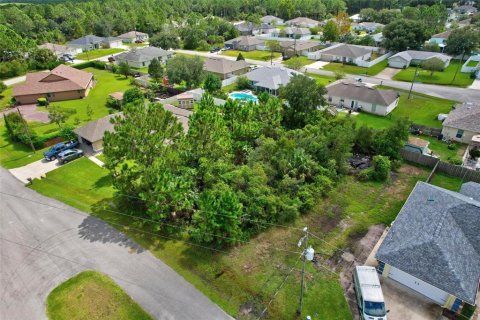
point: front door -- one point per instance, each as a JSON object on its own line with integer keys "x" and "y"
{"x": 352, "y": 105}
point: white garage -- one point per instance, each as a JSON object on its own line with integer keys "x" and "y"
{"x": 429, "y": 291}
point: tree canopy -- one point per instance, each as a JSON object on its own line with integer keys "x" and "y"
{"x": 403, "y": 34}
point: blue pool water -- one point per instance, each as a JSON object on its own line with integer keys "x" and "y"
{"x": 243, "y": 96}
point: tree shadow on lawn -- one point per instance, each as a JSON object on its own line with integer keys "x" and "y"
{"x": 96, "y": 227}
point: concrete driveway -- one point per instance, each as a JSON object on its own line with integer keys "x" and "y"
{"x": 29, "y": 112}
{"x": 34, "y": 170}
{"x": 44, "y": 242}
{"x": 475, "y": 85}
{"x": 388, "y": 73}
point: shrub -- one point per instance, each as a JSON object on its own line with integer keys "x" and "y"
{"x": 452, "y": 146}
{"x": 381, "y": 168}
{"x": 43, "y": 102}
{"x": 132, "y": 95}
{"x": 242, "y": 83}
{"x": 475, "y": 153}
{"x": 203, "y": 46}
{"x": 67, "y": 133}
{"x": 13, "y": 68}
{"x": 339, "y": 75}
{"x": 3, "y": 87}
{"x": 455, "y": 160}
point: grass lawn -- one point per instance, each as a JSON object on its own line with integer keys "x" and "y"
{"x": 5, "y": 97}
{"x": 100, "y": 157}
{"x": 93, "y": 54}
{"x": 472, "y": 63}
{"x": 440, "y": 148}
{"x": 135, "y": 45}
{"x": 249, "y": 274}
{"x": 253, "y": 55}
{"x": 349, "y": 69}
{"x": 441, "y": 77}
{"x": 421, "y": 109}
{"x": 303, "y": 61}
{"x": 13, "y": 154}
{"x": 92, "y": 295}
{"x": 446, "y": 181}
{"x": 323, "y": 80}
{"x": 229, "y": 88}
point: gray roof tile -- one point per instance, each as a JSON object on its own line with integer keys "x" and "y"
{"x": 465, "y": 116}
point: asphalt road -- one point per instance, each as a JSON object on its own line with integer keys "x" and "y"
{"x": 453, "y": 93}
{"x": 44, "y": 242}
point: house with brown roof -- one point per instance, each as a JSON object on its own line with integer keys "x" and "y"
{"x": 91, "y": 134}
{"x": 303, "y": 22}
{"x": 224, "y": 68}
{"x": 62, "y": 83}
{"x": 462, "y": 123}
{"x": 359, "y": 96}
{"x": 244, "y": 43}
{"x": 291, "y": 48}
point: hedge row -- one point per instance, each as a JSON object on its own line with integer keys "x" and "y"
{"x": 90, "y": 64}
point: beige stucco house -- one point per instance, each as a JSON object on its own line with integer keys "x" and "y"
{"x": 244, "y": 43}
{"x": 360, "y": 96}
{"x": 462, "y": 123}
{"x": 91, "y": 134}
{"x": 62, "y": 83}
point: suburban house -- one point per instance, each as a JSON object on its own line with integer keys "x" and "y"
{"x": 244, "y": 43}
{"x": 433, "y": 246}
{"x": 224, "y": 68}
{"x": 185, "y": 100}
{"x": 92, "y": 42}
{"x": 303, "y": 22}
{"x": 369, "y": 27}
{"x": 378, "y": 38}
{"x": 273, "y": 21}
{"x": 59, "y": 49}
{"x": 270, "y": 79}
{"x": 356, "y": 18}
{"x": 292, "y": 32}
{"x": 245, "y": 28}
{"x": 141, "y": 57}
{"x": 440, "y": 39}
{"x": 462, "y": 123}
{"x": 62, "y": 83}
{"x": 291, "y": 48}
{"x": 344, "y": 53}
{"x": 356, "y": 95}
{"x": 91, "y": 134}
{"x": 182, "y": 115}
{"x": 466, "y": 9}
{"x": 472, "y": 65}
{"x": 404, "y": 59}
{"x": 266, "y": 28}
{"x": 132, "y": 36}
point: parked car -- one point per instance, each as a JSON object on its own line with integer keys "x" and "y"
{"x": 67, "y": 58}
{"x": 369, "y": 293}
{"x": 215, "y": 50}
{"x": 54, "y": 151}
{"x": 111, "y": 59}
{"x": 69, "y": 155}
{"x": 138, "y": 41}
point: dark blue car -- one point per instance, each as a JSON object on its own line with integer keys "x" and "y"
{"x": 53, "y": 152}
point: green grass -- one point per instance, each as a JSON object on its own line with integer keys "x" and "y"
{"x": 92, "y": 295}
{"x": 421, "y": 109}
{"x": 253, "y": 55}
{"x": 472, "y": 63}
{"x": 440, "y": 77}
{"x": 94, "y": 54}
{"x": 229, "y": 88}
{"x": 5, "y": 97}
{"x": 446, "y": 181}
{"x": 303, "y": 61}
{"x": 440, "y": 148}
{"x": 323, "y": 80}
{"x": 101, "y": 157}
{"x": 250, "y": 273}
{"x": 134, "y": 45}
{"x": 349, "y": 69}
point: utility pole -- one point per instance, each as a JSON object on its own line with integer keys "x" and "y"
{"x": 413, "y": 81}
{"x": 26, "y": 130}
{"x": 307, "y": 254}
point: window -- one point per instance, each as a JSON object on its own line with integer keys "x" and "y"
{"x": 329, "y": 99}
{"x": 459, "y": 133}
{"x": 50, "y": 95}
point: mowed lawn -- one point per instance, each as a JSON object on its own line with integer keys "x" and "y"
{"x": 15, "y": 154}
{"x": 302, "y": 61}
{"x": 321, "y": 79}
{"x": 5, "y": 97}
{"x": 92, "y": 295}
{"x": 94, "y": 54}
{"x": 249, "y": 274}
{"x": 421, "y": 109}
{"x": 253, "y": 55}
{"x": 440, "y": 77}
{"x": 349, "y": 69}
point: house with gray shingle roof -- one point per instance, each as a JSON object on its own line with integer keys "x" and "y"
{"x": 358, "y": 96}
{"x": 303, "y": 22}
{"x": 272, "y": 20}
{"x": 141, "y": 57}
{"x": 270, "y": 79}
{"x": 132, "y": 36}
{"x": 462, "y": 123}
{"x": 433, "y": 246}
{"x": 244, "y": 43}
{"x": 344, "y": 53}
{"x": 91, "y": 42}
{"x": 404, "y": 59}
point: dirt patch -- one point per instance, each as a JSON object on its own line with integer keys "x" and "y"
{"x": 411, "y": 170}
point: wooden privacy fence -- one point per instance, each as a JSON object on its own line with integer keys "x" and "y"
{"x": 429, "y": 131}
{"x": 463, "y": 173}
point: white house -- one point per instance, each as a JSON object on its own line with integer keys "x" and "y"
{"x": 433, "y": 246}
{"x": 367, "y": 26}
{"x": 303, "y": 22}
{"x": 345, "y": 53}
{"x": 404, "y": 59}
{"x": 132, "y": 36}
{"x": 59, "y": 49}
{"x": 355, "y": 95}
{"x": 462, "y": 123}
{"x": 92, "y": 42}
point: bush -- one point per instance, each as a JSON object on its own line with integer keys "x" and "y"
{"x": 43, "y": 102}
{"x": 13, "y": 68}
{"x": 203, "y": 46}
{"x": 67, "y": 133}
{"x": 91, "y": 64}
{"x": 381, "y": 168}
{"x": 3, "y": 87}
{"x": 242, "y": 83}
{"x": 132, "y": 95}
{"x": 452, "y": 146}
{"x": 455, "y": 160}
{"x": 475, "y": 153}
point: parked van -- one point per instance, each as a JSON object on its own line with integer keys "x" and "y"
{"x": 369, "y": 293}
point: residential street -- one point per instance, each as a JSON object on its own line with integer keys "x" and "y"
{"x": 44, "y": 242}
{"x": 453, "y": 93}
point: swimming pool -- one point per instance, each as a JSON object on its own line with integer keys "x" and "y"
{"x": 243, "y": 96}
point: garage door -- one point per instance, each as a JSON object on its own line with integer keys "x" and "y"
{"x": 418, "y": 285}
